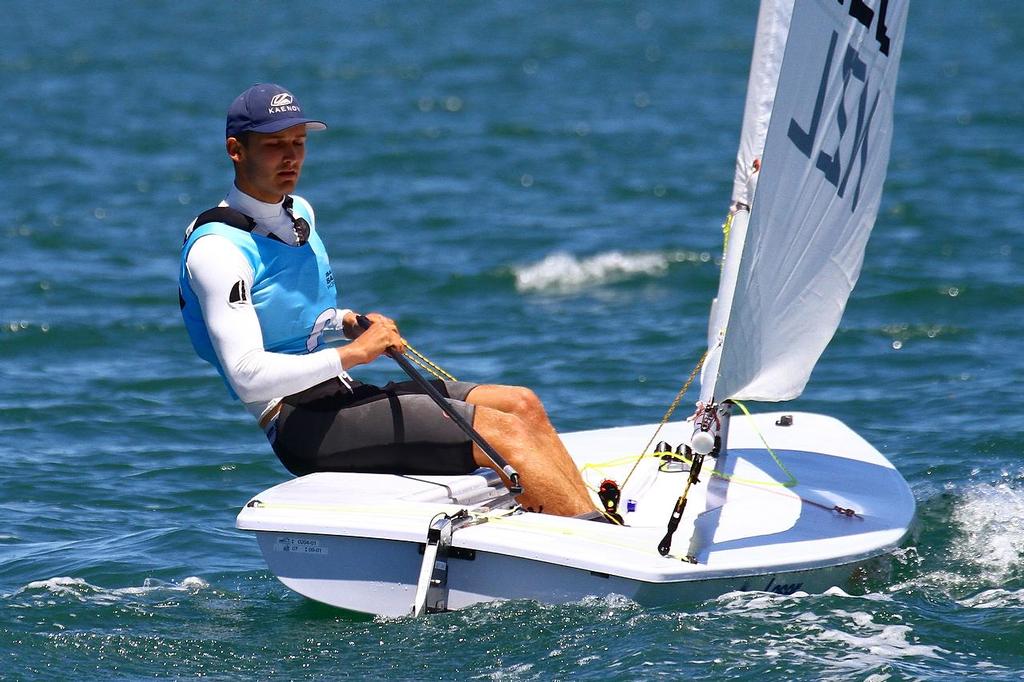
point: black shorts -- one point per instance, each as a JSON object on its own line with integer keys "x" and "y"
{"x": 396, "y": 429}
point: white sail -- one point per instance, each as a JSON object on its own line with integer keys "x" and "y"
{"x": 817, "y": 196}
{"x": 765, "y": 63}
{"x": 769, "y": 47}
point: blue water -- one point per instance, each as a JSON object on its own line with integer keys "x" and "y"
{"x": 534, "y": 191}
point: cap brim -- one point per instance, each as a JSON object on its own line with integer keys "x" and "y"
{"x": 283, "y": 123}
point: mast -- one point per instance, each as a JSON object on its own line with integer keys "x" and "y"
{"x": 770, "y": 37}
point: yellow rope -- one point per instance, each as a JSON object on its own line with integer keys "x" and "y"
{"x": 668, "y": 415}
{"x": 618, "y": 461}
{"x": 425, "y": 363}
{"x": 394, "y": 509}
{"x": 792, "y": 479}
{"x": 726, "y": 228}
{"x": 601, "y": 466}
{"x": 588, "y": 530}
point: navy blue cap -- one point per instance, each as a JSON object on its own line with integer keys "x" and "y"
{"x": 267, "y": 108}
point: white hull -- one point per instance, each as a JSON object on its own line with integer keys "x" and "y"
{"x": 355, "y": 540}
{"x": 387, "y": 585}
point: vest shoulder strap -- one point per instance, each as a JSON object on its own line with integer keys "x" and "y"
{"x": 228, "y": 216}
{"x": 222, "y": 214}
{"x": 218, "y": 214}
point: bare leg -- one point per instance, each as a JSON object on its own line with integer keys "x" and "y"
{"x": 547, "y": 453}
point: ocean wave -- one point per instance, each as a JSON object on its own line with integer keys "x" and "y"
{"x": 876, "y": 643}
{"x": 563, "y": 272}
{"x": 79, "y": 590}
{"x": 856, "y": 643}
{"x": 995, "y": 599}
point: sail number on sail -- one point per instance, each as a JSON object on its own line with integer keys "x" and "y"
{"x": 860, "y": 11}
{"x": 854, "y": 68}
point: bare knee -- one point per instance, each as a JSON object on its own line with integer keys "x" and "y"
{"x": 544, "y": 478}
{"x": 504, "y": 430}
{"x": 516, "y": 400}
{"x": 526, "y": 405}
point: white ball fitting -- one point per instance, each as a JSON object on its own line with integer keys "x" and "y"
{"x": 702, "y": 443}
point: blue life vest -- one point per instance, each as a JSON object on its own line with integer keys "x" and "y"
{"x": 293, "y": 290}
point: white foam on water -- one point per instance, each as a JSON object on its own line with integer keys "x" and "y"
{"x": 77, "y": 589}
{"x": 563, "y": 272}
{"x": 995, "y": 599}
{"x": 860, "y": 646}
{"x": 876, "y": 643}
{"x": 755, "y": 601}
{"x": 992, "y": 535}
{"x": 194, "y": 583}
{"x": 516, "y": 671}
{"x": 851, "y": 641}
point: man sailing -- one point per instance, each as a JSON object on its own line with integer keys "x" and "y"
{"x": 258, "y": 297}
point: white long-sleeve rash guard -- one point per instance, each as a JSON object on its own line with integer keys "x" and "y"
{"x": 214, "y": 266}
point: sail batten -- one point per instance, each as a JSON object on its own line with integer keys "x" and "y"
{"x": 815, "y": 197}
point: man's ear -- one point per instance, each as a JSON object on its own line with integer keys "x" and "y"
{"x": 235, "y": 148}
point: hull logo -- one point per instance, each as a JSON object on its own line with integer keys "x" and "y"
{"x": 772, "y": 586}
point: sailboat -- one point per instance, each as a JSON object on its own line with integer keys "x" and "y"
{"x": 728, "y": 500}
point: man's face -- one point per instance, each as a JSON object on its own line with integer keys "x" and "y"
{"x": 267, "y": 166}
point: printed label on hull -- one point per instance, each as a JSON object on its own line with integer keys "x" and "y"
{"x": 300, "y": 546}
